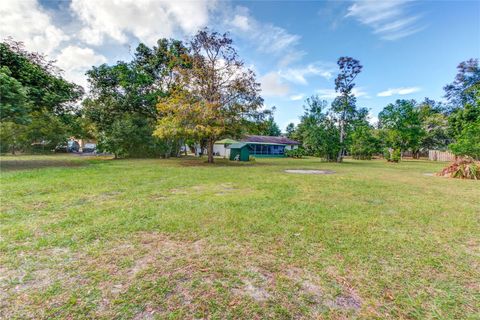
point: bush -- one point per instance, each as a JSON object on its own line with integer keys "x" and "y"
{"x": 386, "y": 154}
{"x": 131, "y": 137}
{"x": 392, "y": 156}
{"x": 295, "y": 153}
{"x": 462, "y": 168}
{"x": 468, "y": 141}
{"x": 396, "y": 155}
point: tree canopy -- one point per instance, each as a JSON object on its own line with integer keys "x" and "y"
{"x": 343, "y": 107}
{"x": 36, "y": 103}
{"x": 214, "y": 97}
{"x": 123, "y": 97}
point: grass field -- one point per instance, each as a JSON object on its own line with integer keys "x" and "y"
{"x": 176, "y": 239}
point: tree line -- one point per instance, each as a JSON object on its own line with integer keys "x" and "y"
{"x": 403, "y": 126}
{"x": 180, "y": 93}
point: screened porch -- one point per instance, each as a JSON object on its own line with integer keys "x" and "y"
{"x": 266, "y": 150}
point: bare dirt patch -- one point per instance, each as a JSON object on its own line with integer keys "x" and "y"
{"x": 160, "y": 273}
{"x": 305, "y": 171}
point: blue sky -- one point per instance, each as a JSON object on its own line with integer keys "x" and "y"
{"x": 409, "y": 49}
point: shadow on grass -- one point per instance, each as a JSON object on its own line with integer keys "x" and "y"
{"x": 12, "y": 165}
{"x": 202, "y": 162}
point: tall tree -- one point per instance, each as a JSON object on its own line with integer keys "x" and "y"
{"x": 434, "y": 125}
{"x": 317, "y": 130}
{"x": 467, "y": 81}
{"x": 402, "y": 124}
{"x": 45, "y": 88}
{"x": 212, "y": 98}
{"x": 344, "y": 105}
{"x": 36, "y": 103}
{"x": 269, "y": 127}
{"x": 362, "y": 140}
{"x": 290, "y": 130}
{"x": 14, "y": 104}
{"x": 464, "y": 122}
{"x": 123, "y": 97}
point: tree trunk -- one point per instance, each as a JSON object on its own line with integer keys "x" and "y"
{"x": 342, "y": 137}
{"x": 210, "y": 150}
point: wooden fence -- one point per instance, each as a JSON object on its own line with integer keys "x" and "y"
{"x": 436, "y": 155}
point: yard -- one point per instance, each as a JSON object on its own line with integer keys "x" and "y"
{"x": 179, "y": 238}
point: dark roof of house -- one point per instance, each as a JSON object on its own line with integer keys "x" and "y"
{"x": 269, "y": 139}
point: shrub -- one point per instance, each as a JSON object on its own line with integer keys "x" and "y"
{"x": 386, "y": 154}
{"x": 295, "y": 153}
{"x": 396, "y": 155}
{"x": 462, "y": 168}
{"x": 392, "y": 156}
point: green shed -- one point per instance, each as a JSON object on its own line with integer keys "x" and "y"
{"x": 239, "y": 151}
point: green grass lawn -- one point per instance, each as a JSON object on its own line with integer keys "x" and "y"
{"x": 176, "y": 239}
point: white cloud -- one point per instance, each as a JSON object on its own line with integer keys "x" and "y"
{"x": 268, "y": 37}
{"x": 359, "y": 92}
{"x": 26, "y": 21}
{"x": 326, "y": 93}
{"x": 147, "y": 20}
{"x": 372, "y": 119}
{"x": 398, "y": 91}
{"x": 290, "y": 57}
{"x": 389, "y": 19}
{"x": 299, "y": 75}
{"x": 241, "y": 22}
{"x": 332, "y": 94}
{"x": 272, "y": 85}
{"x": 75, "y": 61}
{"x": 297, "y": 97}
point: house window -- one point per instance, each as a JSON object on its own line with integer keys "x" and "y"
{"x": 262, "y": 149}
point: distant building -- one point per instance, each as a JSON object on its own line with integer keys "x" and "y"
{"x": 257, "y": 146}
{"x": 269, "y": 146}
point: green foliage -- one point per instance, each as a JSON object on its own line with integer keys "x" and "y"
{"x": 36, "y": 103}
{"x": 42, "y": 134}
{"x": 12, "y": 137}
{"x": 435, "y": 127}
{"x": 364, "y": 143}
{"x": 344, "y": 106}
{"x": 396, "y": 155}
{"x": 290, "y": 130}
{"x": 464, "y": 122}
{"x": 465, "y": 87}
{"x": 214, "y": 97}
{"x": 402, "y": 126}
{"x": 392, "y": 155}
{"x": 131, "y": 136}
{"x": 467, "y": 142}
{"x": 270, "y": 128}
{"x": 14, "y": 105}
{"x": 295, "y": 153}
{"x": 44, "y": 87}
{"x": 122, "y": 102}
{"x": 318, "y": 131}
{"x": 386, "y": 154}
